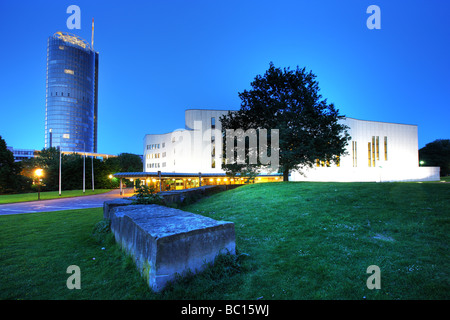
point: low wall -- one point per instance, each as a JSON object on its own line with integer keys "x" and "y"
{"x": 186, "y": 195}
{"x": 377, "y": 174}
{"x": 165, "y": 241}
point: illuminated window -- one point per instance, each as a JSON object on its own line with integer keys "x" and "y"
{"x": 373, "y": 151}
{"x": 61, "y": 47}
{"x": 385, "y": 149}
{"x": 355, "y": 153}
{"x": 378, "y": 147}
{"x": 369, "y": 154}
{"x": 68, "y": 71}
{"x": 317, "y": 163}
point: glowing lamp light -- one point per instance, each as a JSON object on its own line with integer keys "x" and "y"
{"x": 39, "y": 172}
{"x": 110, "y": 176}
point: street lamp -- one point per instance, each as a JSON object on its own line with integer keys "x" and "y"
{"x": 38, "y": 174}
{"x": 63, "y": 136}
{"x": 84, "y": 167}
{"x": 110, "y": 179}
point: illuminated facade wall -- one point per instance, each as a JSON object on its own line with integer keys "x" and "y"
{"x": 196, "y": 148}
{"x": 71, "y": 94}
{"x": 377, "y": 151}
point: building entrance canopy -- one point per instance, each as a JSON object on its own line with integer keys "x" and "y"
{"x": 165, "y": 181}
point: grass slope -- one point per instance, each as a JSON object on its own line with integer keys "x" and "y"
{"x": 295, "y": 241}
{"x": 316, "y": 240}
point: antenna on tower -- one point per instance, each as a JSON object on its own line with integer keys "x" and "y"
{"x": 92, "y": 38}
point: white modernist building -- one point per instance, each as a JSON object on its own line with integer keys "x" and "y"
{"x": 377, "y": 151}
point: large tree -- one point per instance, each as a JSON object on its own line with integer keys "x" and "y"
{"x": 437, "y": 153}
{"x": 289, "y": 100}
{"x": 10, "y": 178}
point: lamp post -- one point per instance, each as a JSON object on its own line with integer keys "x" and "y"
{"x": 110, "y": 179}
{"x": 38, "y": 174}
{"x": 84, "y": 167}
{"x": 92, "y": 166}
{"x": 63, "y": 136}
{"x": 60, "y": 169}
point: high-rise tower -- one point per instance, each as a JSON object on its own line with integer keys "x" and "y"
{"x": 71, "y": 94}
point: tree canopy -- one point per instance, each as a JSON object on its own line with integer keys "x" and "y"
{"x": 10, "y": 178}
{"x": 72, "y": 169}
{"x": 437, "y": 153}
{"x": 289, "y": 100}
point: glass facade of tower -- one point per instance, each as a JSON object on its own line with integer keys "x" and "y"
{"x": 71, "y": 97}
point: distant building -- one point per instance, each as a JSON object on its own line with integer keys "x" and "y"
{"x": 23, "y": 154}
{"x": 71, "y": 94}
{"x": 377, "y": 151}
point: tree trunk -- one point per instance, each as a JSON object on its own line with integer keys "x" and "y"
{"x": 285, "y": 174}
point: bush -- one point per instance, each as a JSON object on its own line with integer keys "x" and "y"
{"x": 146, "y": 195}
{"x": 101, "y": 231}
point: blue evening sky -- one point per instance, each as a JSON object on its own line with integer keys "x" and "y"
{"x": 158, "y": 58}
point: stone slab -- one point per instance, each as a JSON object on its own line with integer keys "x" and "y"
{"x": 166, "y": 241}
{"x": 108, "y": 205}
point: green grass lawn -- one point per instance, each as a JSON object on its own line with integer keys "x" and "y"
{"x": 295, "y": 241}
{"x": 23, "y": 197}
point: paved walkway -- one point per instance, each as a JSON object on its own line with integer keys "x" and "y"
{"x": 83, "y": 202}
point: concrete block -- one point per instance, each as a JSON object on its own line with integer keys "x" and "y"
{"x": 108, "y": 205}
{"x": 166, "y": 241}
